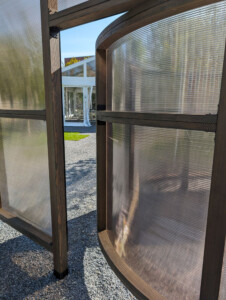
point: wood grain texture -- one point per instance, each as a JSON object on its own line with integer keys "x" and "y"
{"x": 89, "y": 11}
{"x": 23, "y": 114}
{"x": 54, "y": 118}
{"x": 216, "y": 222}
{"x": 203, "y": 123}
{"x": 3, "y": 177}
{"x": 101, "y": 140}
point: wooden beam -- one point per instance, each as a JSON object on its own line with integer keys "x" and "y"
{"x": 27, "y": 229}
{"x": 54, "y": 118}
{"x": 192, "y": 122}
{"x": 23, "y": 114}
{"x": 89, "y": 11}
{"x": 216, "y": 222}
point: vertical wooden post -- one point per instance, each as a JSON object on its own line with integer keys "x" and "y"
{"x": 101, "y": 140}
{"x": 3, "y": 177}
{"x": 54, "y": 118}
{"x": 216, "y": 222}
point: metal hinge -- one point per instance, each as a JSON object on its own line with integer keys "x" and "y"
{"x": 54, "y": 32}
{"x": 101, "y": 107}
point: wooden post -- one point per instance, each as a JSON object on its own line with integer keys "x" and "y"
{"x": 54, "y": 118}
{"x": 216, "y": 221}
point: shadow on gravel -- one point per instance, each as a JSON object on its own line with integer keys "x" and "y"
{"x": 81, "y": 183}
{"x": 26, "y": 268}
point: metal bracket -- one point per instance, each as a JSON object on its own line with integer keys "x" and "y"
{"x": 101, "y": 122}
{"x": 101, "y": 107}
{"x": 54, "y": 32}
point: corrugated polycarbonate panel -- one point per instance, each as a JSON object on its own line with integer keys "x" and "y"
{"x": 24, "y": 174}
{"x": 74, "y": 72}
{"x": 173, "y": 65}
{"x": 21, "y": 61}
{"x": 63, "y": 4}
{"x": 222, "y": 295}
{"x": 91, "y": 68}
{"x": 160, "y": 193}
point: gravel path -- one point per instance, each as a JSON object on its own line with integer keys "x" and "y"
{"x": 26, "y": 268}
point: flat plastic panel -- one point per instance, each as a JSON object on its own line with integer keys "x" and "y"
{"x": 222, "y": 295}
{"x": 171, "y": 66}
{"x": 160, "y": 183}
{"x": 21, "y": 61}
{"x": 91, "y": 68}
{"x": 63, "y": 4}
{"x": 24, "y": 176}
{"x": 74, "y": 72}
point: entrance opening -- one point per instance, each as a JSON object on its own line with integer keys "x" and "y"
{"x": 79, "y": 109}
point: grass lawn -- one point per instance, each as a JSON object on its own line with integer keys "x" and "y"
{"x": 74, "y": 136}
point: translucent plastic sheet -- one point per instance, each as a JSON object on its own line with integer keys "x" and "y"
{"x": 24, "y": 173}
{"x": 63, "y": 4}
{"x": 77, "y": 72}
{"x": 171, "y": 66}
{"x": 91, "y": 68}
{"x": 160, "y": 183}
{"x": 21, "y": 60}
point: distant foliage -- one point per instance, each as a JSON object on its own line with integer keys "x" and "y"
{"x": 73, "y": 60}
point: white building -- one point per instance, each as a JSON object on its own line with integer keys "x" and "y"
{"x": 79, "y": 93}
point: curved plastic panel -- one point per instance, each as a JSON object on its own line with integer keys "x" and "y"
{"x": 24, "y": 182}
{"x": 21, "y": 59}
{"x": 171, "y": 66}
{"x": 158, "y": 213}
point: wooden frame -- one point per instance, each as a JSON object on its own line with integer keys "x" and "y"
{"x": 57, "y": 243}
{"x": 54, "y": 118}
{"x": 140, "y": 13}
{"x": 146, "y": 13}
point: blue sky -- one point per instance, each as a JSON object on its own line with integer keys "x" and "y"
{"x": 80, "y": 40}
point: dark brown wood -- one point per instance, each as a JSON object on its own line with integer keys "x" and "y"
{"x": 54, "y": 115}
{"x": 23, "y": 114}
{"x": 216, "y": 222}
{"x": 109, "y": 178}
{"x": 89, "y": 11}
{"x": 3, "y": 177}
{"x": 101, "y": 140}
{"x": 144, "y": 14}
{"x": 27, "y": 229}
{"x": 208, "y": 119}
{"x": 137, "y": 286}
{"x": 192, "y": 122}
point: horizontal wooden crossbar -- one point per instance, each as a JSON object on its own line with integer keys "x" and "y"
{"x": 179, "y": 121}
{"x": 23, "y": 114}
{"x": 27, "y": 229}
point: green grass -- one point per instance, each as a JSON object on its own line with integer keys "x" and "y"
{"x": 74, "y": 136}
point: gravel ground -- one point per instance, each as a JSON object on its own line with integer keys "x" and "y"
{"x": 26, "y": 268}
